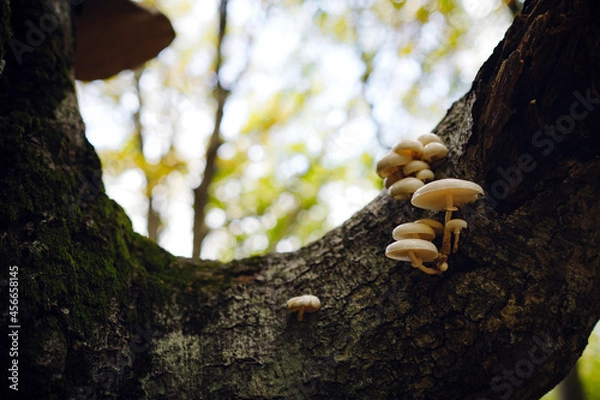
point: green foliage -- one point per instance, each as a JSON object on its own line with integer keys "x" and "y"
{"x": 589, "y": 366}
{"x": 317, "y": 90}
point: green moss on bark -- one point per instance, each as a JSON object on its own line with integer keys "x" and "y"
{"x": 78, "y": 258}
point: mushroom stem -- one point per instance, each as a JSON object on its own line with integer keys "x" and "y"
{"x": 441, "y": 263}
{"x": 418, "y": 263}
{"x": 446, "y": 240}
{"x": 429, "y": 271}
{"x": 456, "y": 236}
{"x": 447, "y": 236}
{"x": 300, "y": 314}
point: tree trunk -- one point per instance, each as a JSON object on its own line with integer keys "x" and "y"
{"x": 105, "y": 313}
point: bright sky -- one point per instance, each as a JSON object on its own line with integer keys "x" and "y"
{"x": 278, "y": 39}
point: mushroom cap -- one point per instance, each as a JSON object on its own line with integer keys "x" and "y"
{"x": 404, "y": 188}
{"x": 390, "y": 163}
{"x": 434, "y": 151}
{"x": 414, "y": 166}
{"x": 411, "y": 148}
{"x": 425, "y": 175}
{"x": 429, "y": 138}
{"x": 414, "y": 230}
{"x": 437, "y": 226}
{"x": 392, "y": 178}
{"x": 435, "y": 195}
{"x": 309, "y": 302}
{"x": 422, "y": 249}
{"x": 114, "y": 35}
{"x": 456, "y": 224}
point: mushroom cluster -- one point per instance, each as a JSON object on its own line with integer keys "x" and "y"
{"x": 447, "y": 195}
{"x": 405, "y": 168}
{"x": 413, "y": 243}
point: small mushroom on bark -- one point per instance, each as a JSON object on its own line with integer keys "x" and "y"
{"x": 301, "y": 304}
{"x": 455, "y": 226}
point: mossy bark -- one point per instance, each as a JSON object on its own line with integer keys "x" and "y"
{"x": 105, "y": 313}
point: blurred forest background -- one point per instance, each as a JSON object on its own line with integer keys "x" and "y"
{"x": 256, "y": 130}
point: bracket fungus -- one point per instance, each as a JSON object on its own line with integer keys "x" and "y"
{"x": 114, "y": 35}
{"x": 301, "y": 304}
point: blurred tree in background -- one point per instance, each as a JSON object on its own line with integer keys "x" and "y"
{"x": 270, "y": 114}
{"x": 311, "y": 92}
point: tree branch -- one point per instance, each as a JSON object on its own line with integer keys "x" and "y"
{"x": 106, "y": 312}
{"x": 201, "y": 194}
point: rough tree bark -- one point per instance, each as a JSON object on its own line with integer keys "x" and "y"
{"x": 105, "y": 313}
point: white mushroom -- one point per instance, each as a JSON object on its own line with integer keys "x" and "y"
{"x": 434, "y": 151}
{"x": 413, "y": 230}
{"x": 404, "y": 188}
{"x": 416, "y": 251}
{"x": 393, "y": 178}
{"x": 412, "y": 148}
{"x": 446, "y": 194}
{"x": 455, "y": 226}
{"x": 414, "y": 166}
{"x": 301, "y": 304}
{"x": 425, "y": 175}
{"x": 429, "y": 138}
{"x": 390, "y": 163}
{"x": 437, "y": 226}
